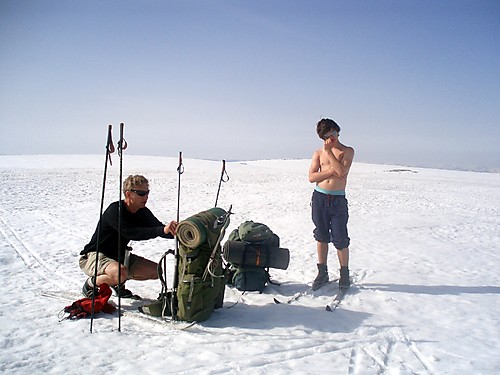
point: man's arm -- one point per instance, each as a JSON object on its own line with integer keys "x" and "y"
{"x": 150, "y": 220}
{"x": 341, "y": 168}
{"x": 347, "y": 160}
{"x": 145, "y": 226}
{"x": 315, "y": 172}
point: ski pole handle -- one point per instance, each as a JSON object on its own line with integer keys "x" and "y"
{"x": 221, "y": 180}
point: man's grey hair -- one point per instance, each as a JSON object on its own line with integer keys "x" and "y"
{"x": 134, "y": 181}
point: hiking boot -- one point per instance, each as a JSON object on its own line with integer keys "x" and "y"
{"x": 322, "y": 277}
{"x": 88, "y": 288}
{"x": 344, "y": 281}
{"x": 122, "y": 292}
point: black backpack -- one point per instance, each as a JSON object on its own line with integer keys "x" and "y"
{"x": 251, "y": 250}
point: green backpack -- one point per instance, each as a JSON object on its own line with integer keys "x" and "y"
{"x": 252, "y": 232}
{"x": 202, "y": 278}
{"x": 251, "y": 277}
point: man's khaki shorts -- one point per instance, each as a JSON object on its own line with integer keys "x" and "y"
{"x": 87, "y": 264}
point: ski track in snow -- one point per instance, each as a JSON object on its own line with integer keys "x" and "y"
{"x": 48, "y": 214}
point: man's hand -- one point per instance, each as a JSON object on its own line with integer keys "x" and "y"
{"x": 328, "y": 145}
{"x": 170, "y": 228}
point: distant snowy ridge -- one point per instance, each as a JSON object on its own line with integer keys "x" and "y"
{"x": 144, "y": 161}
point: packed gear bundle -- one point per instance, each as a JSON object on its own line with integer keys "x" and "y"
{"x": 251, "y": 250}
{"x": 201, "y": 275}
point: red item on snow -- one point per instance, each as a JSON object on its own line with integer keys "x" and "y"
{"x": 83, "y": 307}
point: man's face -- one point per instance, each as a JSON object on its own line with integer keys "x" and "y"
{"x": 138, "y": 196}
{"x": 331, "y": 135}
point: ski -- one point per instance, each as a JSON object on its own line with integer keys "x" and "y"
{"x": 334, "y": 281}
{"x": 69, "y": 296}
{"x": 297, "y": 296}
{"x": 293, "y": 298}
{"x": 337, "y": 299}
{"x": 134, "y": 297}
{"x": 76, "y": 296}
{"x": 178, "y": 325}
{"x": 61, "y": 295}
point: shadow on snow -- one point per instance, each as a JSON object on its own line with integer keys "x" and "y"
{"x": 433, "y": 289}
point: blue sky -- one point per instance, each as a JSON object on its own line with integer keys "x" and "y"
{"x": 409, "y": 82}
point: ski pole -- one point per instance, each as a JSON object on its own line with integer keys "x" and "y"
{"x": 224, "y": 177}
{"x": 122, "y": 145}
{"x": 180, "y": 170}
{"x": 109, "y": 150}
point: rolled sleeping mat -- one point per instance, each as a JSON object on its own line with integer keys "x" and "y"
{"x": 245, "y": 254}
{"x": 193, "y": 231}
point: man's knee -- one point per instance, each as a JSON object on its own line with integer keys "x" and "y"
{"x": 112, "y": 272}
{"x": 321, "y": 236}
{"x": 152, "y": 270}
{"x": 143, "y": 269}
{"x": 341, "y": 245}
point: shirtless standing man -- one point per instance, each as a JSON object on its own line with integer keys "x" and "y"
{"x": 329, "y": 169}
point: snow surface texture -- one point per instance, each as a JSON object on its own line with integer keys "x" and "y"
{"x": 425, "y": 255}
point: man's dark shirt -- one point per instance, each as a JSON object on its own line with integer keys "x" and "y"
{"x": 142, "y": 225}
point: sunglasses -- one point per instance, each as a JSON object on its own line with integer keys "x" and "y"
{"x": 141, "y": 193}
{"x": 333, "y": 133}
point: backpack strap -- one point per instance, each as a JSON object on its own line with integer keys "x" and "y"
{"x": 270, "y": 281}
